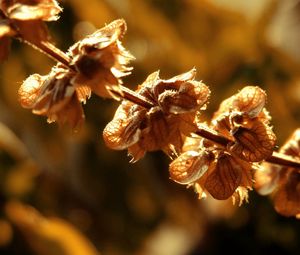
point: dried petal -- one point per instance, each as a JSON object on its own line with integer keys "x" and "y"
{"x": 190, "y": 166}
{"x": 255, "y": 144}
{"x": 25, "y": 15}
{"x": 83, "y": 93}
{"x": 71, "y": 113}
{"x": 225, "y": 178}
{"x": 223, "y": 125}
{"x": 124, "y": 130}
{"x": 157, "y": 132}
{"x": 240, "y": 195}
{"x": 189, "y": 97}
{"x": 54, "y": 94}
{"x": 250, "y": 101}
{"x": 171, "y": 84}
{"x": 135, "y": 152}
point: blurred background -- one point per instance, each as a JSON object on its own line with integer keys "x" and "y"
{"x": 65, "y": 193}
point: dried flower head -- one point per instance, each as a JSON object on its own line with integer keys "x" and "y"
{"x": 21, "y": 16}
{"x": 283, "y": 182}
{"x": 96, "y": 64}
{"x": 211, "y": 170}
{"x": 243, "y": 119}
{"x": 163, "y": 125}
{"x": 100, "y": 60}
{"x": 54, "y": 96}
{"x": 227, "y": 171}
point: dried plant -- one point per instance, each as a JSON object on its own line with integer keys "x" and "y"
{"x": 220, "y": 159}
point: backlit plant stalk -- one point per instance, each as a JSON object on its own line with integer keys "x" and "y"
{"x": 219, "y": 159}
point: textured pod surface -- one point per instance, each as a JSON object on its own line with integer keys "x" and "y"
{"x": 250, "y": 100}
{"x": 190, "y": 166}
{"x": 123, "y": 130}
{"x": 222, "y": 182}
{"x": 255, "y": 144}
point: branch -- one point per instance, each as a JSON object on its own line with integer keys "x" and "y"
{"x": 275, "y": 158}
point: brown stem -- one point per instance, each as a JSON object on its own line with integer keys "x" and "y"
{"x": 210, "y": 135}
{"x": 125, "y": 93}
{"x": 55, "y": 53}
{"x": 283, "y": 160}
{"x": 51, "y": 51}
{"x": 133, "y": 97}
{"x": 275, "y": 158}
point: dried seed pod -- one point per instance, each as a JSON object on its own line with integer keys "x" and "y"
{"x": 190, "y": 166}
{"x": 222, "y": 182}
{"x": 124, "y": 129}
{"x": 255, "y": 144}
{"x": 250, "y": 100}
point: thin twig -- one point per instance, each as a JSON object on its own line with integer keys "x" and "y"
{"x": 212, "y": 136}
{"x": 133, "y": 97}
{"x": 55, "y": 53}
{"x": 51, "y": 51}
{"x": 275, "y": 158}
{"x": 283, "y": 160}
{"x": 125, "y": 93}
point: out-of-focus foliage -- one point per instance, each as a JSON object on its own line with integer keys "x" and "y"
{"x": 66, "y": 193}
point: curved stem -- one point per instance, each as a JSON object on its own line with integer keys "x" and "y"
{"x": 125, "y": 93}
